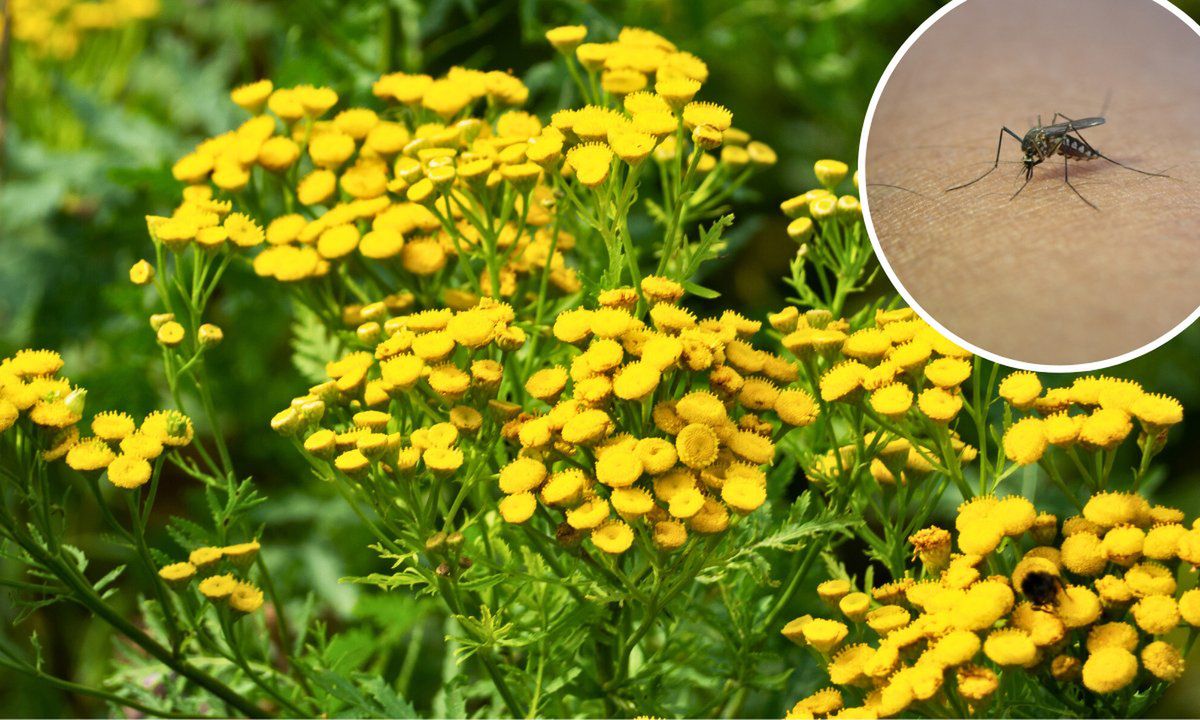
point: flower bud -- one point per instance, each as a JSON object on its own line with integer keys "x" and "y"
{"x": 566, "y": 37}
{"x": 178, "y": 575}
{"x": 435, "y": 542}
{"x": 242, "y": 555}
{"x": 441, "y": 173}
{"x": 322, "y": 444}
{"x": 142, "y": 273}
{"x": 286, "y": 422}
{"x": 800, "y": 229}
{"x": 159, "y": 319}
{"x": 523, "y": 176}
{"x": 422, "y": 192}
{"x": 75, "y": 401}
{"x": 761, "y": 154}
{"x": 795, "y": 207}
{"x": 170, "y": 334}
{"x": 209, "y": 335}
{"x": 830, "y": 173}
{"x": 312, "y": 411}
{"x": 369, "y": 332}
{"x": 823, "y": 208}
{"x": 848, "y": 208}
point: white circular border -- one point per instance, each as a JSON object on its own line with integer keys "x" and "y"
{"x": 887, "y": 268}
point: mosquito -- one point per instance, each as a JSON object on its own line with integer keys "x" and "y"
{"x": 1043, "y": 142}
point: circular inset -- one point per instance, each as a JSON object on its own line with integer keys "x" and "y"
{"x": 1076, "y": 246}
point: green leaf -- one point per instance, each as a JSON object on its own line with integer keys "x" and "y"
{"x": 389, "y": 702}
{"x": 312, "y": 345}
{"x": 700, "y": 290}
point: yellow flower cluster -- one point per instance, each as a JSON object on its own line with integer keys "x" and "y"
{"x": 667, "y": 422}
{"x": 896, "y": 367}
{"x": 57, "y": 28}
{"x": 1107, "y": 408}
{"x": 1092, "y": 606}
{"x": 411, "y": 193}
{"x": 445, "y": 355}
{"x": 807, "y": 210}
{"x": 31, "y": 387}
{"x": 653, "y": 86}
{"x": 207, "y": 563}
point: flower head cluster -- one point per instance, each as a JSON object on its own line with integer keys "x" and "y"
{"x": 810, "y": 209}
{"x": 215, "y": 571}
{"x": 31, "y": 388}
{"x": 1092, "y": 605}
{"x": 410, "y": 186}
{"x": 364, "y": 416}
{"x": 56, "y": 29}
{"x": 652, "y": 86}
{"x": 663, "y": 425}
{"x": 1094, "y": 413}
{"x": 896, "y": 369}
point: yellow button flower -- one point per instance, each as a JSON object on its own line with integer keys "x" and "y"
{"x": 177, "y": 574}
{"x": 948, "y": 372}
{"x": 1156, "y": 614}
{"x": 613, "y": 537}
{"x": 245, "y": 598}
{"x": 218, "y": 587}
{"x": 590, "y": 162}
{"x": 697, "y": 445}
{"x": 1025, "y": 442}
{"x": 1163, "y": 660}
{"x": 1108, "y": 670}
{"x": 824, "y": 635}
{"x": 588, "y": 514}
{"x": 939, "y": 404}
{"x": 892, "y": 400}
{"x": 89, "y": 455}
{"x": 1011, "y": 646}
{"x": 129, "y": 472}
{"x": 518, "y": 508}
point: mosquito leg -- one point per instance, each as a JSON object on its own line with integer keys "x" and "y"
{"x": 996, "y": 164}
{"x": 1143, "y": 172}
{"x": 895, "y": 187}
{"x": 1067, "y": 179}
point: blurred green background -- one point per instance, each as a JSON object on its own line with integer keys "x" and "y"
{"x": 87, "y": 152}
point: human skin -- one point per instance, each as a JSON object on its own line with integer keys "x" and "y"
{"x": 1043, "y": 278}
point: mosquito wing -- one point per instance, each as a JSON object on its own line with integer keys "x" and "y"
{"x": 1064, "y": 128}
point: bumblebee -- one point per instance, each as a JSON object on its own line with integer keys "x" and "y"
{"x": 1042, "y": 588}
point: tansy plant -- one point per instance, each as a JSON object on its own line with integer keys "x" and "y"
{"x": 57, "y": 29}
{"x": 81, "y": 49}
{"x": 445, "y": 190}
{"x": 199, "y": 618}
{"x": 609, "y": 505}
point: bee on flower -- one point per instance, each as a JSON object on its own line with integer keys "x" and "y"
{"x": 1084, "y": 609}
